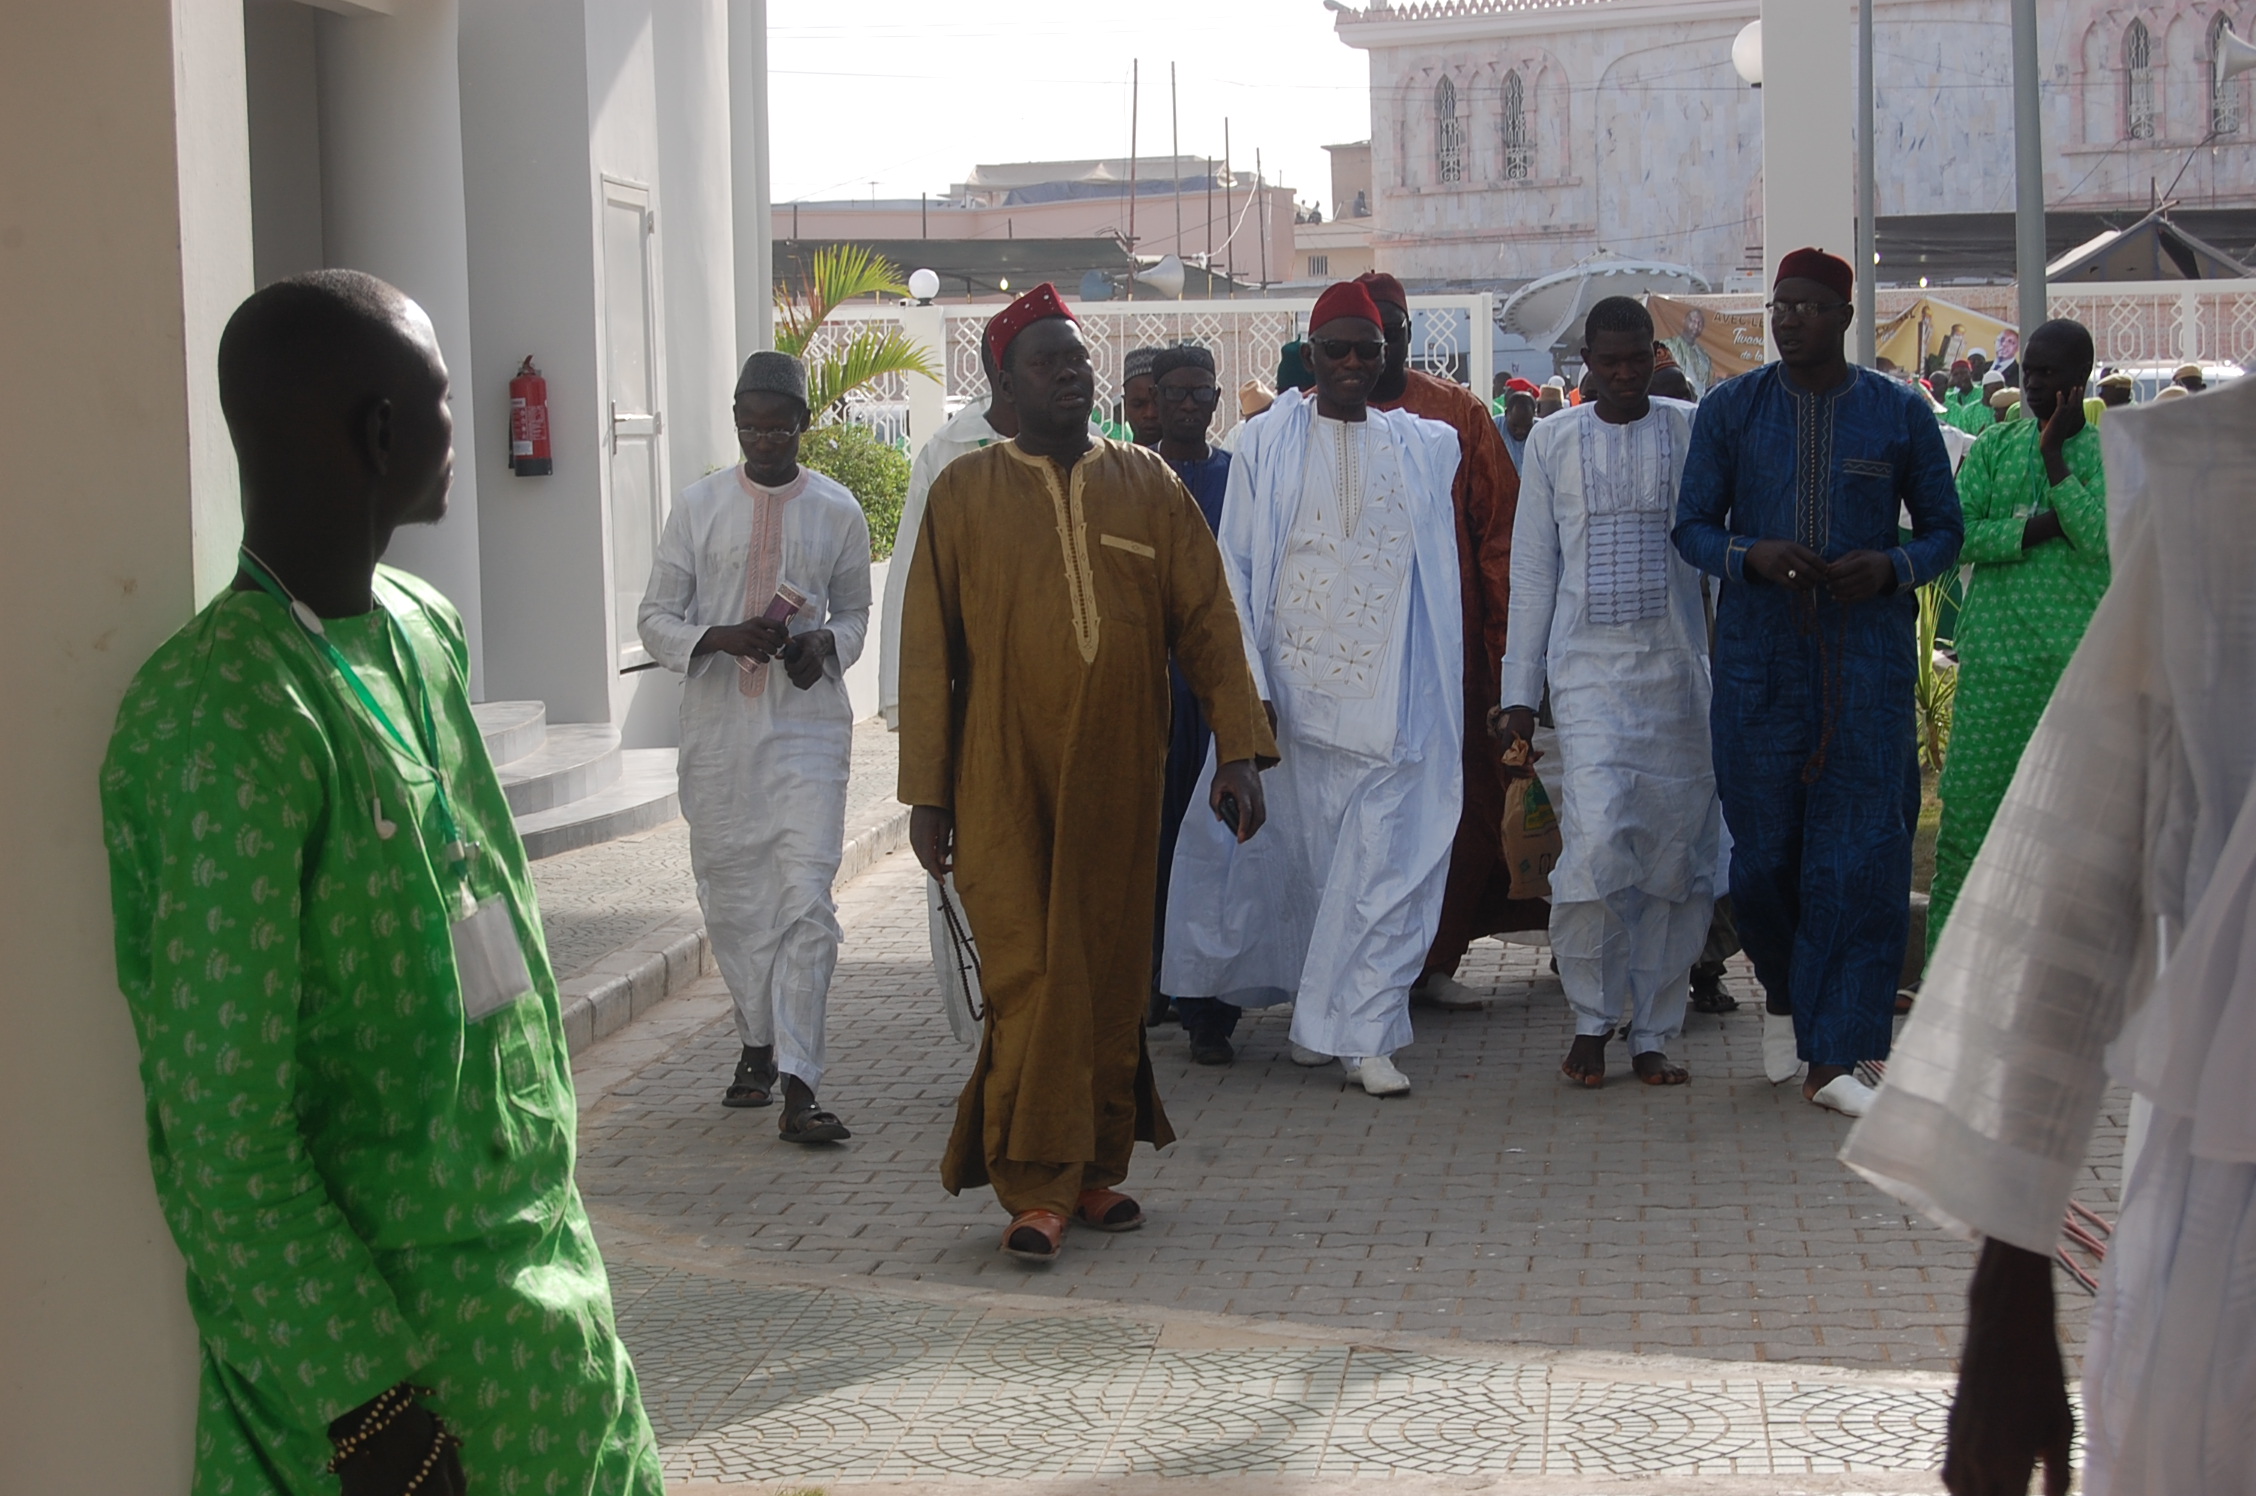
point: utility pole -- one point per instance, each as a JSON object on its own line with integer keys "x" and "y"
{"x": 2028, "y": 171}
{"x": 1261, "y": 186}
{"x": 1229, "y": 215}
{"x": 1868, "y": 226}
{"x": 1135, "y": 68}
{"x": 1210, "y": 226}
{"x": 1175, "y": 156}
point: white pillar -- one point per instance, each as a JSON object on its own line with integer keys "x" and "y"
{"x": 1809, "y": 163}
{"x": 392, "y": 205}
{"x": 748, "y": 137}
{"x": 928, "y": 398}
{"x": 530, "y": 185}
{"x": 130, "y": 246}
{"x": 697, "y": 232}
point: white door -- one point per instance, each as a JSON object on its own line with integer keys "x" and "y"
{"x": 634, "y": 391}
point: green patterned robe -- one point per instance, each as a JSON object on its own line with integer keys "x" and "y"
{"x": 1968, "y": 410}
{"x": 2025, "y": 613}
{"x": 366, "y": 1187}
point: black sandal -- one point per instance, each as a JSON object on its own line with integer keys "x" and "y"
{"x": 755, "y": 1081}
{"x": 813, "y": 1125}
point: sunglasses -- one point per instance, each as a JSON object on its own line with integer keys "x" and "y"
{"x": 1806, "y": 311}
{"x": 1201, "y": 395}
{"x": 1339, "y": 348}
{"x": 767, "y": 435}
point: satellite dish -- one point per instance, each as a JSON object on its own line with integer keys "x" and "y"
{"x": 2234, "y": 56}
{"x": 1166, "y": 276}
{"x": 1096, "y": 286}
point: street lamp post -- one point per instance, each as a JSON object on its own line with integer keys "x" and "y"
{"x": 1868, "y": 224}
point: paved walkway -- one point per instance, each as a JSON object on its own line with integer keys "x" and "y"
{"x": 1440, "y": 1286}
{"x": 611, "y": 897}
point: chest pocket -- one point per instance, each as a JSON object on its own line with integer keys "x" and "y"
{"x": 1127, "y": 577}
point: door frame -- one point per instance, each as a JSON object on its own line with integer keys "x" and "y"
{"x": 627, "y": 653}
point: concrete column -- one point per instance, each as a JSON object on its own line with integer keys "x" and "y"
{"x": 748, "y": 133}
{"x": 1809, "y": 170}
{"x": 529, "y": 186}
{"x": 126, "y": 234}
{"x": 696, "y": 232}
{"x": 928, "y": 398}
{"x": 392, "y": 205}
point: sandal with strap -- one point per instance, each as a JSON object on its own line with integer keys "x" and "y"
{"x": 813, "y": 1125}
{"x": 1035, "y": 1236}
{"x": 755, "y": 1081}
{"x": 1108, "y": 1210}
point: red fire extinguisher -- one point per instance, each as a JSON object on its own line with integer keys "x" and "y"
{"x": 528, "y": 423}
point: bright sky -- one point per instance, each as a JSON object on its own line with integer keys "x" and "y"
{"x": 912, "y": 95}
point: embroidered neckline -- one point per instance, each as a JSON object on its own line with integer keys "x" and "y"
{"x": 1073, "y": 543}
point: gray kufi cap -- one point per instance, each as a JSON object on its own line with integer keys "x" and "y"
{"x": 1181, "y": 356}
{"x": 773, "y": 374}
{"x": 1138, "y": 363}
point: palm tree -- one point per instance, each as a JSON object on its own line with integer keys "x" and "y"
{"x": 838, "y": 274}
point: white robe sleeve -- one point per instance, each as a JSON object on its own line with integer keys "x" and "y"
{"x": 1243, "y": 529}
{"x": 666, "y": 619}
{"x": 849, "y": 592}
{"x": 930, "y": 459}
{"x": 1535, "y": 579}
{"x": 1992, "y": 1092}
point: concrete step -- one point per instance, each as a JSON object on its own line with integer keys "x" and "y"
{"x": 641, "y": 797}
{"x": 573, "y": 762}
{"x": 511, "y": 729}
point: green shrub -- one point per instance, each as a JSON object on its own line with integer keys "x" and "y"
{"x": 875, "y": 473}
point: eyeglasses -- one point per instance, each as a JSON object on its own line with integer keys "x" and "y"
{"x": 1201, "y": 395}
{"x": 1339, "y": 348}
{"x": 1805, "y": 311}
{"x": 767, "y": 436}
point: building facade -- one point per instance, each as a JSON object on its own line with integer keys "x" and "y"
{"x": 1510, "y": 138}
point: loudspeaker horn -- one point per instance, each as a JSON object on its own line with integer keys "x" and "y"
{"x": 2234, "y": 57}
{"x": 1164, "y": 276}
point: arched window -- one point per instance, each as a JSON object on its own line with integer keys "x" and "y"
{"x": 1519, "y": 140}
{"x": 2224, "y": 101}
{"x": 1449, "y": 135}
{"x": 2138, "y": 83}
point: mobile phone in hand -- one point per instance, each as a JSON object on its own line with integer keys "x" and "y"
{"x": 1230, "y": 811}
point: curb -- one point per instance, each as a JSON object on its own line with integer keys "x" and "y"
{"x": 632, "y": 980}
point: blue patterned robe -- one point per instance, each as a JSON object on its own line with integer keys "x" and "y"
{"x": 1187, "y": 735}
{"x": 1815, "y": 743}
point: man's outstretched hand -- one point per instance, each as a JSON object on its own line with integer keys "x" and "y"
{"x": 1240, "y": 780}
{"x": 932, "y": 836}
{"x": 2011, "y": 1412}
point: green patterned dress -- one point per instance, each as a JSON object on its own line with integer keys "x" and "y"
{"x": 2025, "y": 613}
{"x": 367, "y": 1186}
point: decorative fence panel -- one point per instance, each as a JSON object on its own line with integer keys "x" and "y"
{"x": 1244, "y": 336}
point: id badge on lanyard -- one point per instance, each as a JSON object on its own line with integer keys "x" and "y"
{"x": 489, "y": 962}
{"x": 487, "y": 957}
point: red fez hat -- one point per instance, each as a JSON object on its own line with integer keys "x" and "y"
{"x": 1959, "y": 363}
{"x": 1005, "y": 326}
{"x": 1829, "y": 271}
{"x": 1345, "y": 299}
{"x": 1518, "y": 386}
{"x": 1384, "y": 287}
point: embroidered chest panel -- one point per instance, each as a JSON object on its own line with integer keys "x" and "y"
{"x": 1346, "y": 569}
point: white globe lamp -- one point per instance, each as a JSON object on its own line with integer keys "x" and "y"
{"x": 924, "y": 285}
{"x": 1746, "y": 54}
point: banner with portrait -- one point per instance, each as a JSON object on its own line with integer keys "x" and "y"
{"x": 1708, "y": 344}
{"x": 1931, "y": 334}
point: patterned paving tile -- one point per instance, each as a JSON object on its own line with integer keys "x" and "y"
{"x": 747, "y": 1381}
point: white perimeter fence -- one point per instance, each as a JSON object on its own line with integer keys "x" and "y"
{"x": 1245, "y": 338}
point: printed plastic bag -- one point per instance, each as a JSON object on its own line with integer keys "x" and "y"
{"x": 1531, "y": 827}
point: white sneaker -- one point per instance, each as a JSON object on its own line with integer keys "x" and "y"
{"x": 1303, "y": 1055}
{"x": 1378, "y": 1077}
{"x": 1448, "y": 994}
{"x": 1782, "y": 1058}
{"x": 1845, "y": 1094}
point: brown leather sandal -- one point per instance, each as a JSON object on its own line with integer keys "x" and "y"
{"x": 1035, "y": 1235}
{"x": 1108, "y": 1210}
